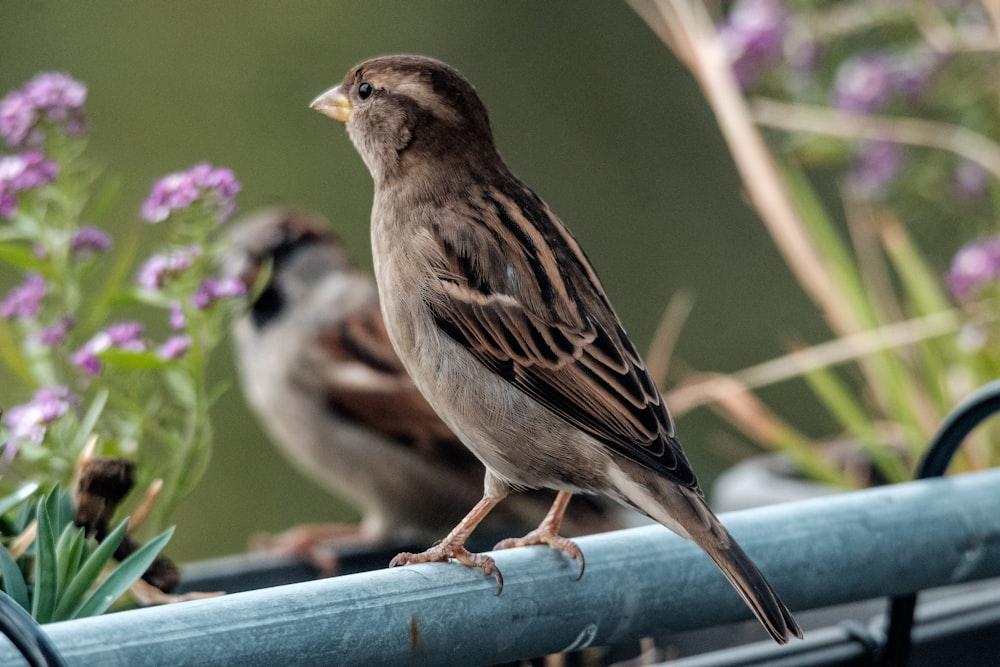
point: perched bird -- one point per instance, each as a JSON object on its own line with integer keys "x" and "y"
{"x": 505, "y": 328}
{"x": 317, "y": 367}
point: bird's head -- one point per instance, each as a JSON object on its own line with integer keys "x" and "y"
{"x": 280, "y": 253}
{"x": 410, "y": 112}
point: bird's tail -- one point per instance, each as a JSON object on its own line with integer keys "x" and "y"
{"x": 750, "y": 584}
{"x": 684, "y": 511}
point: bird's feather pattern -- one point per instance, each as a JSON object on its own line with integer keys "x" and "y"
{"x": 365, "y": 383}
{"x": 572, "y": 357}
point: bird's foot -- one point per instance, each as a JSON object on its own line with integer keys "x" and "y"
{"x": 546, "y": 536}
{"x": 444, "y": 551}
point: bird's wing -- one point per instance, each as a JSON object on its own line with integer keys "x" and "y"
{"x": 363, "y": 382}
{"x": 524, "y": 300}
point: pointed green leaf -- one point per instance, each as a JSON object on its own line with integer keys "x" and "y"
{"x": 7, "y": 503}
{"x": 86, "y": 576}
{"x": 46, "y": 575}
{"x": 89, "y": 420}
{"x": 126, "y": 574}
{"x": 13, "y": 580}
{"x": 68, "y": 551}
{"x": 923, "y": 285}
{"x": 22, "y": 257}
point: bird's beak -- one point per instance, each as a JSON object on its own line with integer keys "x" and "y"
{"x": 333, "y": 103}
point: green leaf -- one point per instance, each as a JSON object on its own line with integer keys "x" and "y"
{"x": 837, "y": 260}
{"x": 127, "y": 249}
{"x": 46, "y": 575}
{"x": 841, "y": 401}
{"x": 13, "y": 580}
{"x": 143, "y": 361}
{"x": 126, "y": 574}
{"x": 22, "y": 257}
{"x": 12, "y": 355}
{"x": 73, "y": 596}
{"x": 922, "y": 284}
{"x": 65, "y": 512}
{"x": 89, "y": 420}
{"x": 9, "y": 502}
{"x": 69, "y": 551}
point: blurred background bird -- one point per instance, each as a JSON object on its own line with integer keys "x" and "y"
{"x": 316, "y": 366}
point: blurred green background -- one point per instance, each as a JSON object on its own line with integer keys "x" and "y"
{"x": 587, "y": 106}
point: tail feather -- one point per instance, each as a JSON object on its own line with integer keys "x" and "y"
{"x": 684, "y": 511}
{"x": 751, "y": 586}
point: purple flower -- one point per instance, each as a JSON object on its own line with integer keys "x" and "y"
{"x": 126, "y": 336}
{"x": 216, "y": 187}
{"x": 973, "y": 267}
{"x": 22, "y": 172}
{"x": 87, "y": 361}
{"x": 875, "y": 168}
{"x": 55, "y": 334}
{"x": 28, "y": 422}
{"x": 213, "y": 289}
{"x": 971, "y": 180}
{"x": 123, "y": 336}
{"x": 18, "y": 116}
{"x": 52, "y": 96}
{"x": 753, "y": 34}
{"x": 868, "y": 82}
{"x": 8, "y": 203}
{"x": 89, "y": 240}
{"x": 174, "y": 347}
{"x": 27, "y": 171}
{"x": 24, "y": 301}
{"x": 159, "y": 269}
{"x": 911, "y": 72}
{"x": 177, "y": 318}
{"x": 861, "y": 84}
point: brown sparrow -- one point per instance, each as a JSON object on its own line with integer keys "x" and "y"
{"x": 505, "y": 328}
{"x": 317, "y": 367}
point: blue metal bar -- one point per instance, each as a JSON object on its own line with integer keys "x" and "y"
{"x": 642, "y": 581}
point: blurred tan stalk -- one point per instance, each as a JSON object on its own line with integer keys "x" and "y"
{"x": 685, "y": 27}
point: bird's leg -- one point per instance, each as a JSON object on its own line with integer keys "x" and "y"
{"x": 548, "y": 532}
{"x": 453, "y": 546}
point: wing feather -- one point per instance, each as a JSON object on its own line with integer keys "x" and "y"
{"x": 568, "y": 351}
{"x": 364, "y": 382}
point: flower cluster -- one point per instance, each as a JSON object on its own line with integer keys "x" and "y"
{"x": 140, "y": 397}
{"x": 974, "y": 267}
{"x": 213, "y": 289}
{"x": 754, "y": 33}
{"x": 27, "y": 423}
{"x": 891, "y": 106}
{"x": 20, "y": 173}
{"x": 89, "y": 240}
{"x": 216, "y": 187}
{"x": 174, "y": 347}
{"x": 161, "y": 268}
{"x": 122, "y": 336}
{"x": 49, "y": 96}
{"x": 812, "y": 56}
{"x": 24, "y": 301}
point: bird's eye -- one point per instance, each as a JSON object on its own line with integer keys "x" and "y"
{"x": 365, "y": 90}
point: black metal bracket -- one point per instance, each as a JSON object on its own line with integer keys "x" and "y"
{"x": 969, "y": 414}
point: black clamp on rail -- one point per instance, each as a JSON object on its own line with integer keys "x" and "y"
{"x": 27, "y": 635}
{"x": 969, "y": 414}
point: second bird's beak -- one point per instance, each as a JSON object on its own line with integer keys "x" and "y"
{"x": 333, "y": 103}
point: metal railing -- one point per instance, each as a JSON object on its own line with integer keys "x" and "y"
{"x": 643, "y": 581}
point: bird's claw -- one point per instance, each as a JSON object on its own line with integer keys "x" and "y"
{"x": 544, "y": 537}
{"x": 440, "y": 553}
